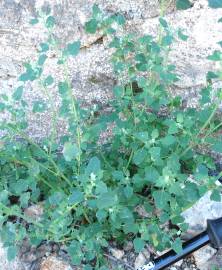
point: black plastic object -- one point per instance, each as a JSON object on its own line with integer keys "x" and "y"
{"x": 212, "y": 235}
{"x": 171, "y": 256}
{"x": 214, "y": 230}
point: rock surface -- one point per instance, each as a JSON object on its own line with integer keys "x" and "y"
{"x": 52, "y": 263}
{"x": 91, "y": 73}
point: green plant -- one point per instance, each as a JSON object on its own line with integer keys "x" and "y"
{"x": 129, "y": 188}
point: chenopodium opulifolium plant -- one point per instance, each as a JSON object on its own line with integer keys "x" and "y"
{"x": 134, "y": 186}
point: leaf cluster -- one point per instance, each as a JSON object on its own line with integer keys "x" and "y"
{"x": 135, "y": 186}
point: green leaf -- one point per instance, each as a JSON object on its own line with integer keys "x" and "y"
{"x": 128, "y": 192}
{"x": 50, "y": 22}
{"x": 138, "y": 244}
{"x": 120, "y": 19}
{"x": 220, "y": 20}
{"x": 183, "y": 4}
{"x": 215, "y": 195}
{"x": 211, "y": 75}
{"x": 17, "y": 95}
{"x": 215, "y": 3}
{"x": 177, "y": 245}
{"x": 106, "y": 200}
{"x": 161, "y": 199}
{"x": 73, "y": 48}
{"x": 91, "y": 26}
{"x": 42, "y": 59}
{"x": 139, "y": 156}
{"x": 63, "y": 88}
{"x": 151, "y": 174}
{"x": 101, "y": 215}
{"x": 39, "y": 106}
{"x": 48, "y": 80}
{"x": 44, "y": 47}
{"x": 70, "y": 151}
{"x": 11, "y": 253}
{"x": 216, "y": 56}
{"x": 182, "y": 36}
{"x": 217, "y": 147}
{"x": 94, "y": 166}
{"x": 168, "y": 140}
{"x": 96, "y": 10}
{"x": 76, "y": 197}
{"x": 33, "y": 21}
{"x": 163, "y": 22}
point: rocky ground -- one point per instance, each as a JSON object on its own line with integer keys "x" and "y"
{"x": 93, "y": 80}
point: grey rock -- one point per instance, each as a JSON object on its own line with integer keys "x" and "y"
{"x": 203, "y": 256}
{"x": 204, "y": 209}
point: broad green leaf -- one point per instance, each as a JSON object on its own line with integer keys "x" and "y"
{"x": 11, "y": 252}
{"x": 182, "y": 36}
{"x": 96, "y": 10}
{"x": 211, "y": 75}
{"x": 138, "y": 244}
{"x": 48, "y": 80}
{"x": 168, "y": 140}
{"x": 163, "y": 22}
{"x": 76, "y": 197}
{"x": 120, "y": 19}
{"x": 17, "y": 95}
{"x": 42, "y": 59}
{"x": 215, "y": 3}
{"x": 151, "y": 174}
{"x": 39, "y": 106}
{"x": 94, "y": 166}
{"x": 183, "y": 4}
{"x": 63, "y": 88}
{"x": 215, "y": 196}
{"x": 161, "y": 199}
{"x": 70, "y": 151}
{"x": 177, "y": 245}
{"x": 91, "y": 26}
{"x": 155, "y": 152}
{"x": 44, "y": 47}
{"x": 216, "y": 56}
{"x": 101, "y": 215}
{"x": 33, "y": 21}
{"x": 128, "y": 191}
{"x": 139, "y": 156}
{"x": 50, "y": 22}
{"x": 107, "y": 200}
{"x": 217, "y": 147}
{"x": 73, "y": 48}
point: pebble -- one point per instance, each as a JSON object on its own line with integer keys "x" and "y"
{"x": 34, "y": 211}
{"x": 53, "y": 263}
{"x": 117, "y": 253}
{"x": 141, "y": 259}
{"x": 203, "y": 255}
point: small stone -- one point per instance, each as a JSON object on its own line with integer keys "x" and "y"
{"x": 128, "y": 246}
{"x": 179, "y": 263}
{"x": 52, "y": 263}
{"x": 140, "y": 260}
{"x": 203, "y": 255}
{"x": 34, "y": 211}
{"x": 117, "y": 253}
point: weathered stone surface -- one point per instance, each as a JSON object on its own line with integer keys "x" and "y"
{"x": 4, "y": 264}
{"x": 204, "y": 209}
{"x": 203, "y": 256}
{"x": 52, "y": 263}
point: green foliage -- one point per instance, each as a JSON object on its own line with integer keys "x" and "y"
{"x": 93, "y": 192}
{"x": 183, "y": 4}
{"x": 215, "y": 3}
